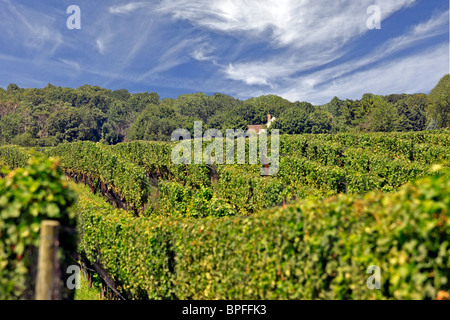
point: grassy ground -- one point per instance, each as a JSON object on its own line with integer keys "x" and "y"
{"x": 86, "y": 293}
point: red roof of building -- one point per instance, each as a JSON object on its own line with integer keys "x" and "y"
{"x": 256, "y": 127}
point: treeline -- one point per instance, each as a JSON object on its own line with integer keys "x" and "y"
{"x": 53, "y": 115}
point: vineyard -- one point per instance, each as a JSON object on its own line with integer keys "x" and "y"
{"x": 338, "y": 204}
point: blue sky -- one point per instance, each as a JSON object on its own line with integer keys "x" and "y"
{"x": 302, "y": 50}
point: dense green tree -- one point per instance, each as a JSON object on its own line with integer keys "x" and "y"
{"x": 67, "y": 126}
{"x": 234, "y": 122}
{"x": 250, "y": 113}
{"x": 10, "y": 126}
{"x": 292, "y": 121}
{"x": 265, "y": 105}
{"x": 121, "y": 94}
{"x": 137, "y": 102}
{"x": 156, "y": 122}
{"x": 412, "y": 112}
{"x": 24, "y": 140}
{"x": 394, "y": 98}
{"x": 383, "y": 117}
{"x": 335, "y": 107}
{"x": 319, "y": 122}
{"x": 13, "y": 87}
{"x": 194, "y": 105}
{"x": 109, "y": 136}
{"x": 439, "y": 110}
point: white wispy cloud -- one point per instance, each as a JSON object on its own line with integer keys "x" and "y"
{"x": 127, "y": 8}
{"x": 73, "y": 64}
{"x": 203, "y": 53}
{"x": 270, "y": 71}
{"x": 100, "y": 44}
{"x": 172, "y": 56}
{"x": 36, "y": 30}
{"x": 434, "y": 26}
{"x": 298, "y": 23}
{"x": 413, "y": 74}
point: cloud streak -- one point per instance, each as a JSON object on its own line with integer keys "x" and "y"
{"x": 34, "y": 29}
{"x": 73, "y": 64}
{"x": 127, "y": 8}
{"x": 423, "y": 71}
{"x": 298, "y": 23}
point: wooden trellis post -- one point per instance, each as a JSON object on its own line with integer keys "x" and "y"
{"x": 48, "y": 280}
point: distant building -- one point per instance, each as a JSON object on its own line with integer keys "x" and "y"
{"x": 270, "y": 120}
{"x": 257, "y": 127}
{"x": 260, "y": 127}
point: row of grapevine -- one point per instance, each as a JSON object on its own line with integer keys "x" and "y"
{"x": 438, "y": 137}
{"x": 330, "y": 149}
{"x": 177, "y": 200}
{"x": 309, "y": 250}
{"x": 14, "y": 156}
{"x": 155, "y": 158}
{"x": 248, "y": 192}
{"x": 104, "y": 170}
